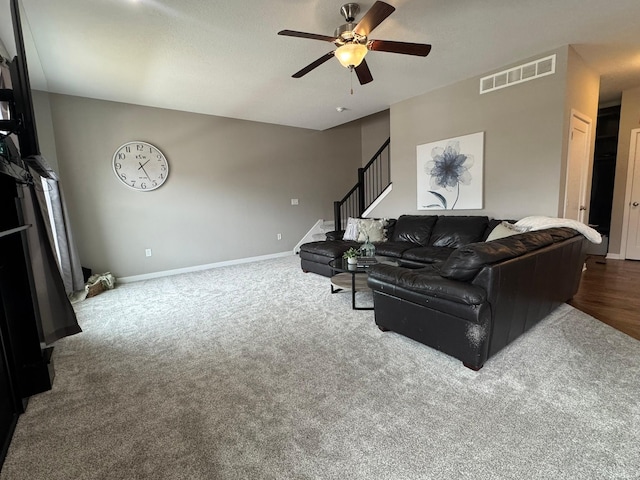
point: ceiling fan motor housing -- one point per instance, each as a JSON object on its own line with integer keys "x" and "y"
{"x": 345, "y": 34}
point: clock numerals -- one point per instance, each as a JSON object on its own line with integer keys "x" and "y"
{"x": 133, "y": 166}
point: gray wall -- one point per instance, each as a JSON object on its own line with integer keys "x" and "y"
{"x": 525, "y": 129}
{"x": 7, "y": 42}
{"x": 375, "y": 129}
{"x": 44, "y": 126}
{"x": 227, "y": 196}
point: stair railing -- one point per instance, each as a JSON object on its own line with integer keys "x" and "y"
{"x": 373, "y": 179}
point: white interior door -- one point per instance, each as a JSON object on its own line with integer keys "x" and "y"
{"x": 575, "y": 201}
{"x": 632, "y": 250}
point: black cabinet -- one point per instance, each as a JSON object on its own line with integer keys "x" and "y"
{"x": 25, "y": 368}
{"x": 9, "y": 407}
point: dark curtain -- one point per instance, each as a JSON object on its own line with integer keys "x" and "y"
{"x": 58, "y": 319}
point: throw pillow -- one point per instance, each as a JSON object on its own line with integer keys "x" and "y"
{"x": 372, "y": 228}
{"x": 351, "y": 231}
{"x": 503, "y": 230}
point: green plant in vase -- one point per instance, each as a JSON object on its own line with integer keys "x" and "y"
{"x": 351, "y": 255}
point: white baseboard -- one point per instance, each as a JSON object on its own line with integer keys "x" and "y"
{"x": 198, "y": 268}
{"x": 615, "y": 256}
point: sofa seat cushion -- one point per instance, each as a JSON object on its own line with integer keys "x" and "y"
{"x": 414, "y": 228}
{"x": 455, "y": 232}
{"x": 326, "y": 248}
{"x": 427, "y": 281}
{"x": 393, "y": 249}
{"x": 428, "y": 254}
{"x": 465, "y": 263}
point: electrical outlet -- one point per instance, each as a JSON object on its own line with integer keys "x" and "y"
{"x": 147, "y": 252}
{"x": 294, "y": 201}
{"x": 279, "y": 236}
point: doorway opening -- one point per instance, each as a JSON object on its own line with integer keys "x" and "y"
{"x": 604, "y": 168}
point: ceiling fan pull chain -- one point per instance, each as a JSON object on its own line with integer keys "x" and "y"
{"x": 351, "y": 78}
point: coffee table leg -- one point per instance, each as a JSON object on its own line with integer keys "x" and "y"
{"x": 353, "y": 295}
{"x": 336, "y": 289}
{"x": 353, "y": 291}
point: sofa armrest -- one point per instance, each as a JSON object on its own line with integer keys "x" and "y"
{"x": 335, "y": 235}
{"x": 424, "y": 281}
{"x": 465, "y": 263}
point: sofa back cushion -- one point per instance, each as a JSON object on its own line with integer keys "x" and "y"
{"x": 372, "y": 229}
{"x": 414, "y": 228}
{"x": 465, "y": 263}
{"x": 454, "y": 232}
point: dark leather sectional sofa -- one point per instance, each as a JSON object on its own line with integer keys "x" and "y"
{"x": 456, "y": 292}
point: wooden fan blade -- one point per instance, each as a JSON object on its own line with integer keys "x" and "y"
{"x": 419, "y": 49}
{"x": 374, "y": 17}
{"x": 312, "y": 36}
{"x": 313, "y": 65}
{"x": 363, "y": 73}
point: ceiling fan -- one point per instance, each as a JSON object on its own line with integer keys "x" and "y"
{"x": 353, "y": 42}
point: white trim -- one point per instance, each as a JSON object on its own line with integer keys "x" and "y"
{"x": 198, "y": 268}
{"x": 615, "y": 256}
{"x": 582, "y": 200}
{"x": 52, "y": 221}
{"x": 626, "y": 211}
{"x": 377, "y": 201}
{"x": 309, "y": 235}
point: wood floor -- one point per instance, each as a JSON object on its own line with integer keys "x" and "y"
{"x": 610, "y": 292}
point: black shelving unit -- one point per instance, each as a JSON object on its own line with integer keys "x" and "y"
{"x": 25, "y": 367}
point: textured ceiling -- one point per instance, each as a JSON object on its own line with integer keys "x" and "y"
{"x": 225, "y": 58}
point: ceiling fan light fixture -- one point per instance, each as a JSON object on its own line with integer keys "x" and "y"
{"x": 351, "y": 54}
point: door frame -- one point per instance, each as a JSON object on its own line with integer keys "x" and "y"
{"x": 584, "y": 181}
{"x": 626, "y": 212}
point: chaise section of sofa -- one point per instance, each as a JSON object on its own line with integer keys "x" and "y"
{"x": 483, "y": 296}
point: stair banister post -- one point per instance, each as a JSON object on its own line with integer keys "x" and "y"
{"x": 361, "y": 205}
{"x": 336, "y": 216}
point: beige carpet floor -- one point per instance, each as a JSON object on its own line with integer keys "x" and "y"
{"x": 257, "y": 371}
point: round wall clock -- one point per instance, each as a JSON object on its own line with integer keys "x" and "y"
{"x": 141, "y": 166}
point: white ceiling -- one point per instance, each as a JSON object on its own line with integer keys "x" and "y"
{"x": 224, "y": 57}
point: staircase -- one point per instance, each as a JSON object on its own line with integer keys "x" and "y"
{"x": 374, "y": 181}
{"x": 317, "y": 233}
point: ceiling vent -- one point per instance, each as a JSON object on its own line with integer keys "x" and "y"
{"x": 522, "y": 73}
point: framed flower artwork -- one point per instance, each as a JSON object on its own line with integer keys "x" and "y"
{"x": 450, "y": 173}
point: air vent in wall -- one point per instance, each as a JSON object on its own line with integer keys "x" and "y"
{"x": 522, "y": 73}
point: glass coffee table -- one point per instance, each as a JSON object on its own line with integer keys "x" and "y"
{"x": 354, "y": 277}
